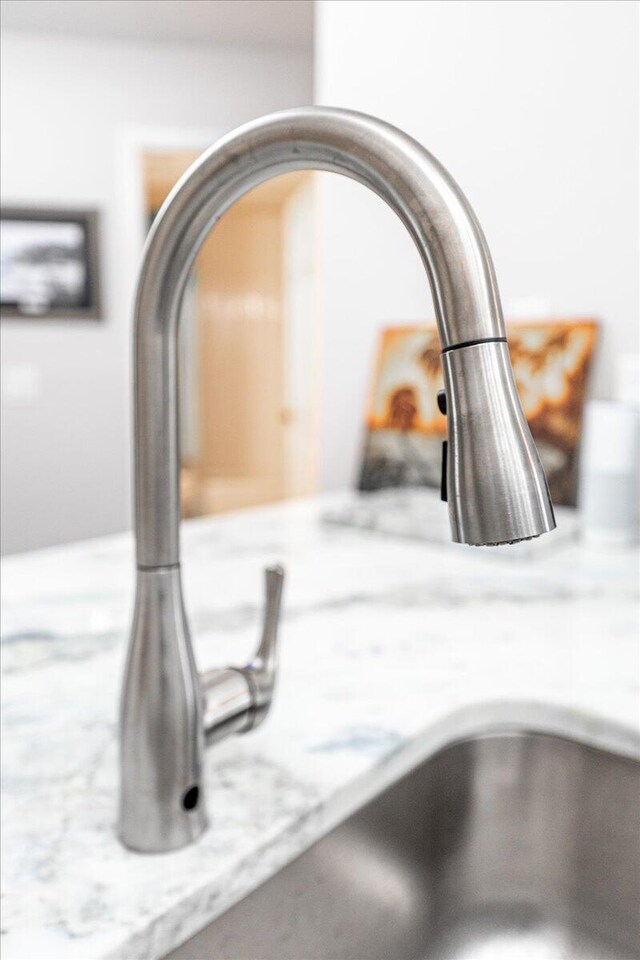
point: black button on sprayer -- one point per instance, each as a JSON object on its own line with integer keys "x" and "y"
{"x": 442, "y": 407}
{"x": 443, "y": 475}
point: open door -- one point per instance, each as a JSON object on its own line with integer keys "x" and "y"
{"x": 249, "y": 383}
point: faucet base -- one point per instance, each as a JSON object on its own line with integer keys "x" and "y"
{"x": 162, "y": 803}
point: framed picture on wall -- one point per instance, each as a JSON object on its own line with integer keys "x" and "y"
{"x": 49, "y": 264}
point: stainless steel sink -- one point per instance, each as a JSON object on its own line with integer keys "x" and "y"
{"x": 507, "y": 845}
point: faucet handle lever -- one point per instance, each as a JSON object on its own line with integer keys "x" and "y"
{"x": 237, "y": 699}
{"x": 262, "y": 669}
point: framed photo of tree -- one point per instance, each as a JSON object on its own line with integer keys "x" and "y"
{"x": 49, "y": 264}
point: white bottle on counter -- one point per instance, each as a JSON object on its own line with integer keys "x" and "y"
{"x": 609, "y": 473}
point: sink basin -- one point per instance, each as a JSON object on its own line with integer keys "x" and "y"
{"x": 506, "y": 845}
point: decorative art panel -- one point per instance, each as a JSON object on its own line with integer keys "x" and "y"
{"x": 49, "y": 264}
{"x": 551, "y": 362}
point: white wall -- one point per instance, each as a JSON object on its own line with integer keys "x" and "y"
{"x": 65, "y": 106}
{"x": 533, "y": 106}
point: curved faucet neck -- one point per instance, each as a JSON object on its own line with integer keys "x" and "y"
{"x": 496, "y": 487}
{"x": 397, "y": 168}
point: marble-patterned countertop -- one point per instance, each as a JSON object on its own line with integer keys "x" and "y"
{"x": 389, "y": 648}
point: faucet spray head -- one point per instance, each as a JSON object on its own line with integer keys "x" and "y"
{"x": 496, "y": 487}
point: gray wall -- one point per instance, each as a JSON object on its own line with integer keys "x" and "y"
{"x": 67, "y": 106}
{"x": 533, "y": 106}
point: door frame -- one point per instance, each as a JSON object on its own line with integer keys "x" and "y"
{"x": 132, "y": 141}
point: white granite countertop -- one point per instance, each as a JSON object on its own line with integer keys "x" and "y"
{"x": 389, "y": 648}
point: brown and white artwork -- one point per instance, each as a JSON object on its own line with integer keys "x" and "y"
{"x": 404, "y": 428}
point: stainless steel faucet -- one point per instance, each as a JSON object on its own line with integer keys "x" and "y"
{"x": 495, "y": 486}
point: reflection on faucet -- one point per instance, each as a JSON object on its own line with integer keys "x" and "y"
{"x": 496, "y": 488}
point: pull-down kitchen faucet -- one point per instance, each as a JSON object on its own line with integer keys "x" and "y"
{"x": 495, "y": 486}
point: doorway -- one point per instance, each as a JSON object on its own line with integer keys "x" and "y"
{"x": 249, "y": 378}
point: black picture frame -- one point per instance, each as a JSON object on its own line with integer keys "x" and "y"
{"x": 49, "y": 264}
